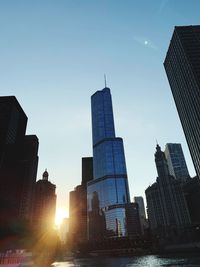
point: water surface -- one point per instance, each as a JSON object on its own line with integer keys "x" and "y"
{"x": 142, "y": 261}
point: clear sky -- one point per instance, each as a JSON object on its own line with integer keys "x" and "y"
{"x": 53, "y": 55}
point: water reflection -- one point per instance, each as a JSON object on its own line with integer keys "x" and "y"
{"x": 63, "y": 264}
{"x": 142, "y": 261}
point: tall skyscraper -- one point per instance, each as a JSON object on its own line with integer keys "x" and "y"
{"x": 78, "y": 204}
{"x": 176, "y": 161}
{"x": 44, "y": 204}
{"x": 142, "y": 215}
{"x": 87, "y": 170}
{"x": 167, "y": 208}
{"x": 182, "y": 66}
{"x": 140, "y": 202}
{"x": 108, "y": 192}
{"x": 18, "y": 164}
{"x": 192, "y": 195}
{"x": 13, "y": 122}
{"x": 29, "y": 164}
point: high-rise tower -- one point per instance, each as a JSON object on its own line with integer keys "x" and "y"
{"x": 78, "y": 204}
{"x": 44, "y": 204}
{"x": 182, "y": 66}
{"x": 176, "y": 161}
{"x": 18, "y": 164}
{"x": 108, "y": 192}
{"x": 167, "y": 208}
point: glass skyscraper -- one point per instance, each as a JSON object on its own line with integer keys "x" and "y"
{"x": 182, "y": 65}
{"x": 108, "y": 192}
{"x": 176, "y": 161}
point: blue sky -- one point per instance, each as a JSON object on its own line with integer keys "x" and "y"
{"x": 53, "y": 55}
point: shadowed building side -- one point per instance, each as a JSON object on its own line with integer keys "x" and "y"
{"x": 143, "y": 220}
{"x": 176, "y": 161}
{"x": 167, "y": 208}
{"x": 78, "y": 204}
{"x": 18, "y": 165}
{"x": 183, "y": 72}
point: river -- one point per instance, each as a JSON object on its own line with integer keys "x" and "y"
{"x": 141, "y": 261}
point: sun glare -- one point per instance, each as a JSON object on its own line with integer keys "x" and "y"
{"x": 61, "y": 213}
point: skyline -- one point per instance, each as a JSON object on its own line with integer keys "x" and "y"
{"x": 46, "y": 47}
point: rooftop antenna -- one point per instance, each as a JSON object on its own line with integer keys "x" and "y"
{"x": 156, "y": 142}
{"x": 105, "y": 80}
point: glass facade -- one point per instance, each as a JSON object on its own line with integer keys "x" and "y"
{"x": 109, "y": 158}
{"x": 176, "y": 161}
{"x": 108, "y": 192}
{"x": 182, "y": 66}
{"x": 102, "y": 116}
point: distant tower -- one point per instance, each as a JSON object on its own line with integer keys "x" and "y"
{"x": 139, "y": 200}
{"x": 45, "y": 203}
{"x": 183, "y": 72}
{"x": 45, "y": 175}
{"x": 87, "y": 170}
{"x": 167, "y": 209}
{"x": 78, "y": 204}
{"x": 176, "y": 161}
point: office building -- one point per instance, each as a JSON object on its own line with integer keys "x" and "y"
{"x": 87, "y": 170}
{"x": 13, "y": 123}
{"x": 78, "y": 215}
{"x": 18, "y": 164}
{"x": 182, "y": 66}
{"x": 139, "y": 200}
{"x": 142, "y": 215}
{"x": 29, "y": 164}
{"x": 44, "y": 204}
{"x": 78, "y": 204}
{"x": 166, "y": 204}
{"x": 176, "y": 161}
{"x": 108, "y": 192}
{"x": 134, "y": 226}
{"x": 192, "y": 195}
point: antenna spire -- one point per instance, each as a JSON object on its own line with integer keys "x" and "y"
{"x": 156, "y": 141}
{"x": 105, "y": 80}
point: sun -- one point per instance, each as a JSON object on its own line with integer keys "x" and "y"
{"x": 61, "y": 213}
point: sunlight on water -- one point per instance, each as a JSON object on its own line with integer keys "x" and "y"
{"x": 62, "y": 264}
{"x": 142, "y": 261}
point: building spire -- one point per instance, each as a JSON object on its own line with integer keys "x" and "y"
{"x": 156, "y": 141}
{"x": 105, "y": 80}
{"x": 45, "y": 175}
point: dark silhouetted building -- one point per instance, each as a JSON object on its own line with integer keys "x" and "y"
{"x": 13, "y": 123}
{"x": 176, "y": 161}
{"x": 182, "y": 66}
{"x": 143, "y": 220}
{"x": 78, "y": 215}
{"x": 18, "y": 164}
{"x": 134, "y": 226}
{"x": 87, "y": 170}
{"x": 108, "y": 192}
{"x": 29, "y": 163}
{"x": 192, "y": 195}
{"x": 78, "y": 204}
{"x": 44, "y": 204}
{"x": 167, "y": 208}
